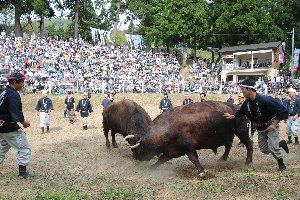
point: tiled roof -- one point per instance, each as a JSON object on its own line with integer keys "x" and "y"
{"x": 251, "y": 47}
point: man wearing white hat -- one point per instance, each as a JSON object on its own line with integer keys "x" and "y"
{"x": 85, "y": 107}
{"x": 266, "y": 112}
{"x": 44, "y": 107}
{"x": 292, "y": 104}
{"x": 187, "y": 100}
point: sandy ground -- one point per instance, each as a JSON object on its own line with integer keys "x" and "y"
{"x": 70, "y": 163}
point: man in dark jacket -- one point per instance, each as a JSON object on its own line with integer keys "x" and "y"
{"x": 165, "y": 104}
{"x": 11, "y": 134}
{"x": 85, "y": 107}
{"x": 292, "y": 104}
{"x": 44, "y": 107}
{"x": 266, "y": 112}
{"x": 187, "y": 100}
{"x": 69, "y": 101}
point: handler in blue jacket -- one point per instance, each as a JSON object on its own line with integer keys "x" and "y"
{"x": 44, "y": 107}
{"x": 266, "y": 112}
{"x": 165, "y": 104}
{"x": 292, "y": 103}
{"x": 85, "y": 107}
{"x": 11, "y": 134}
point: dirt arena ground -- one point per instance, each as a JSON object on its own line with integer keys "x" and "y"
{"x": 70, "y": 163}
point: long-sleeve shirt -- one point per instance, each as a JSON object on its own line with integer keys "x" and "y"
{"x": 44, "y": 105}
{"x": 293, "y": 106}
{"x": 84, "y": 106}
{"x": 262, "y": 111}
{"x": 10, "y": 110}
{"x": 165, "y": 104}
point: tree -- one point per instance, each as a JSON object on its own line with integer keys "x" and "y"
{"x": 84, "y": 16}
{"x": 42, "y": 9}
{"x": 244, "y": 22}
{"x": 21, "y": 7}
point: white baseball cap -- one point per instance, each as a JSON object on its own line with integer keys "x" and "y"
{"x": 292, "y": 90}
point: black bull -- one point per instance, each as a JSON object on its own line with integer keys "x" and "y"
{"x": 126, "y": 118}
{"x": 183, "y": 130}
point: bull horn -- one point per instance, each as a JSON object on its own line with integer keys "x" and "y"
{"x": 135, "y": 146}
{"x": 128, "y": 137}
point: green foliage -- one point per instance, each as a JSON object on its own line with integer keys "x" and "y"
{"x": 120, "y": 39}
{"x": 210, "y": 186}
{"x": 74, "y": 193}
{"x": 180, "y": 187}
{"x": 87, "y": 18}
{"x": 6, "y": 197}
{"x": 120, "y": 193}
{"x": 249, "y": 172}
{"x": 280, "y": 194}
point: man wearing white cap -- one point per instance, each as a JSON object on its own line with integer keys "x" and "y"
{"x": 44, "y": 107}
{"x": 85, "y": 107}
{"x": 266, "y": 112}
{"x": 292, "y": 104}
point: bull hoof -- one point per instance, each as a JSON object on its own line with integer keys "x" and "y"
{"x": 222, "y": 158}
{"x": 115, "y": 145}
{"x": 202, "y": 174}
{"x": 152, "y": 167}
{"x": 107, "y": 145}
{"x": 248, "y": 162}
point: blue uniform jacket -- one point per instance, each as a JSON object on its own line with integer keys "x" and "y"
{"x": 84, "y": 106}
{"x": 10, "y": 110}
{"x": 292, "y": 109}
{"x": 165, "y": 104}
{"x": 44, "y": 104}
{"x": 262, "y": 111}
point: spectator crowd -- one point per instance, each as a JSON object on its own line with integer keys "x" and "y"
{"x": 66, "y": 65}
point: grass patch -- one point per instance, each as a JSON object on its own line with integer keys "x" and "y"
{"x": 73, "y": 193}
{"x": 121, "y": 193}
{"x": 210, "y": 186}
{"x": 6, "y": 197}
{"x": 249, "y": 172}
{"x": 280, "y": 194}
{"x": 181, "y": 187}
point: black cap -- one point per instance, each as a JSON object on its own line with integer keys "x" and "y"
{"x": 16, "y": 77}
{"x": 249, "y": 83}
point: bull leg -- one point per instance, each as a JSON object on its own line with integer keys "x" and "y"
{"x": 113, "y": 136}
{"x": 161, "y": 160}
{"x": 245, "y": 139}
{"x": 226, "y": 152}
{"x": 106, "y": 137}
{"x": 193, "y": 157}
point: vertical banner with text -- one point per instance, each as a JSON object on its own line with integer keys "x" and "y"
{"x": 296, "y": 59}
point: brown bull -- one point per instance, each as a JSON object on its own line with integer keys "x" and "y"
{"x": 185, "y": 129}
{"x": 124, "y": 117}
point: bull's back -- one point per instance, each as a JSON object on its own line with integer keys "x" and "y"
{"x": 200, "y": 124}
{"x": 123, "y": 115}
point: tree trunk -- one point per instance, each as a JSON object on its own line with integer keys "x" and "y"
{"x": 42, "y": 26}
{"x": 17, "y": 19}
{"x": 195, "y": 49}
{"x": 76, "y": 26}
{"x": 184, "y": 54}
{"x": 116, "y": 22}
